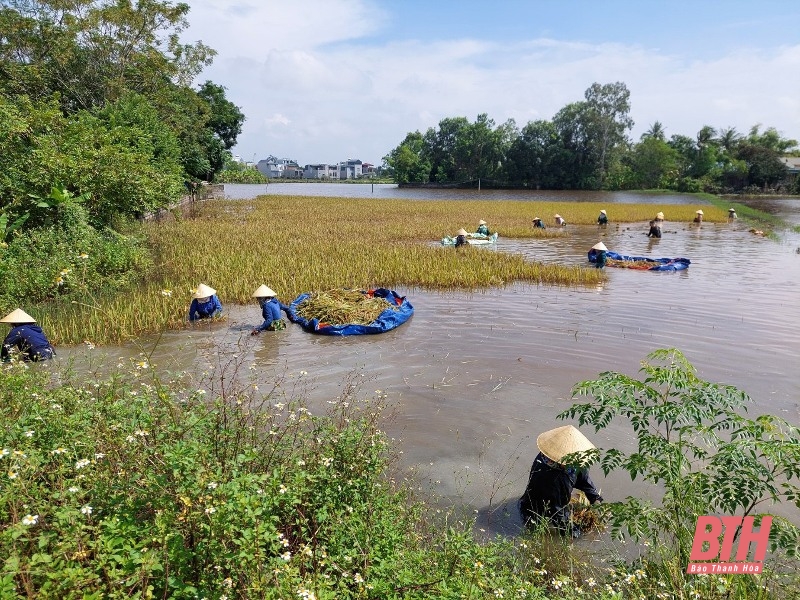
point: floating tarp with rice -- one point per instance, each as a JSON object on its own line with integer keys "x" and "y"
{"x": 350, "y": 312}
{"x": 641, "y": 263}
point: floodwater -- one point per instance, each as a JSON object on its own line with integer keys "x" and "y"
{"x": 475, "y": 377}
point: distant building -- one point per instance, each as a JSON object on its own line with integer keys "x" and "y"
{"x": 792, "y": 164}
{"x": 321, "y": 171}
{"x": 368, "y": 170}
{"x": 350, "y": 169}
{"x": 276, "y": 168}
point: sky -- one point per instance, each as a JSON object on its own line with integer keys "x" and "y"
{"x": 322, "y": 81}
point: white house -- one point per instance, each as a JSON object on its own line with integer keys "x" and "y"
{"x": 321, "y": 171}
{"x": 350, "y": 169}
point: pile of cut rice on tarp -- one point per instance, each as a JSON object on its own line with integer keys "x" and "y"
{"x": 342, "y": 307}
{"x": 632, "y": 264}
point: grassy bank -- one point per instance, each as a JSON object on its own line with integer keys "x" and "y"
{"x": 299, "y": 244}
{"x": 137, "y": 487}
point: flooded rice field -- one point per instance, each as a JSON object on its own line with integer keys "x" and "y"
{"x": 475, "y": 377}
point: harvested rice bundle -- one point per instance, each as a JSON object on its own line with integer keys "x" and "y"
{"x": 583, "y": 516}
{"x": 342, "y": 307}
{"x": 631, "y": 264}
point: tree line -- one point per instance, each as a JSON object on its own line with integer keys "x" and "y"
{"x": 96, "y": 100}
{"x": 586, "y": 146}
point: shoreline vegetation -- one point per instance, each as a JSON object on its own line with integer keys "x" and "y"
{"x": 300, "y": 244}
{"x": 138, "y": 486}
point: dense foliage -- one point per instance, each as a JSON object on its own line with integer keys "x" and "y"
{"x": 239, "y": 172}
{"x": 585, "y": 146}
{"x": 98, "y": 125}
{"x": 86, "y": 88}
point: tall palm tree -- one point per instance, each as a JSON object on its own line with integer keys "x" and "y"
{"x": 729, "y": 138}
{"x": 656, "y": 131}
{"x": 706, "y": 135}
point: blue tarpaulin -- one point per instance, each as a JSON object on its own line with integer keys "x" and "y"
{"x": 647, "y": 264}
{"x": 394, "y": 316}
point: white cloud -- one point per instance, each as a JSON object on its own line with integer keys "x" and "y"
{"x": 318, "y": 85}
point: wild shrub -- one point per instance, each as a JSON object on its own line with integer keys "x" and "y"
{"x": 695, "y": 443}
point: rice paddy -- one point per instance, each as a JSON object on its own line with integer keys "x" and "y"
{"x": 302, "y": 244}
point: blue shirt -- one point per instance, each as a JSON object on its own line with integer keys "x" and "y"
{"x": 204, "y": 310}
{"x": 30, "y": 341}
{"x": 483, "y": 230}
{"x": 270, "y": 311}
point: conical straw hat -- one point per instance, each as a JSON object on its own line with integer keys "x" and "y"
{"x": 264, "y": 292}
{"x": 603, "y": 211}
{"x": 599, "y": 246}
{"x": 557, "y": 443}
{"x": 481, "y": 222}
{"x": 461, "y": 232}
{"x": 203, "y": 291}
{"x": 557, "y": 216}
{"x": 18, "y": 316}
{"x": 731, "y": 210}
{"x": 699, "y": 212}
{"x": 536, "y": 219}
{"x": 659, "y": 215}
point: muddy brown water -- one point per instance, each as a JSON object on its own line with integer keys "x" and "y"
{"x": 475, "y": 377}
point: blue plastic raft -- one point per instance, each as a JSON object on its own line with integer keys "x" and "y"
{"x": 642, "y": 263}
{"x": 394, "y": 316}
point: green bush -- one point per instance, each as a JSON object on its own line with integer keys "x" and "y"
{"x": 245, "y": 175}
{"x": 697, "y": 448}
{"x": 70, "y": 259}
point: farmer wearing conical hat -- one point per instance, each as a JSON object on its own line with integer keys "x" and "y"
{"x": 538, "y": 224}
{"x": 560, "y": 222}
{"x": 482, "y": 228}
{"x": 599, "y": 253}
{"x": 698, "y": 216}
{"x": 732, "y": 216}
{"x": 551, "y": 482}
{"x": 461, "y": 237}
{"x": 25, "y": 339}
{"x": 270, "y": 310}
{"x": 205, "y": 304}
{"x": 602, "y": 219}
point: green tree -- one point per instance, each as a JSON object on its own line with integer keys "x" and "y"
{"x": 532, "y": 156}
{"x": 226, "y": 119}
{"x": 408, "y": 162}
{"x": 442, "y": 145}
{"x": 93, "y": 51}
{"x": 576, "y": 160}
{"x": 656, "y": 131}
{"x": 653, "y": 163}
{"x": 608, "y": 110}
{"x": 770, "y": 139}
{"x": 694, "y": 445}
{"x": 122, "y": 170}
